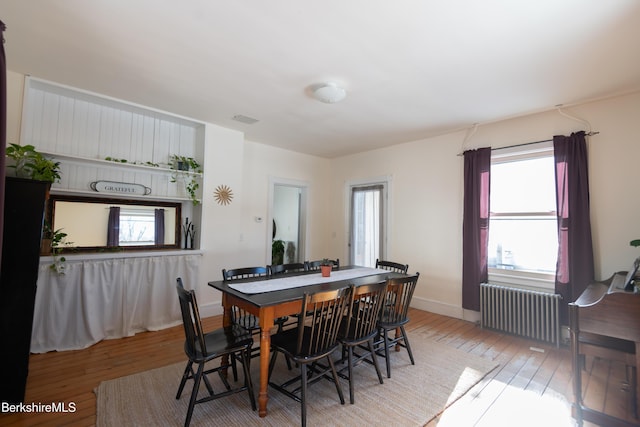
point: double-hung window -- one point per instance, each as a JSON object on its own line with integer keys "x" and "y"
{"x": 523, "y": 237}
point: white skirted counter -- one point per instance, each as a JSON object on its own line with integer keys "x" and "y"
{"x": 105, "y": 296}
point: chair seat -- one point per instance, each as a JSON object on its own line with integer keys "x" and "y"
{"x": 224, "y": 340}
{"x": 348, "y": 334}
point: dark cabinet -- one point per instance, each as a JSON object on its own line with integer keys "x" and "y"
{"x": 23, "y": 217}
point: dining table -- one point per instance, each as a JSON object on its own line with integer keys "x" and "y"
{"x": 270, "y": 298}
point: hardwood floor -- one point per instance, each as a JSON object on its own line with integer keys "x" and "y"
{"x": 531, "y": 387}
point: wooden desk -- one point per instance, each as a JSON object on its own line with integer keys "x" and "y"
{"x": 268, "y": 306}
{"x": 603, "y": 317}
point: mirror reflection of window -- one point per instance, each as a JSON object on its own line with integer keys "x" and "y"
{"x": 86, "y": 222}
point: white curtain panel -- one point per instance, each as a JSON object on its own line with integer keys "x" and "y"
{"x": 102, "y": 299}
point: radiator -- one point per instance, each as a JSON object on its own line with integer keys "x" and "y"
{"x": 528, "y": 313}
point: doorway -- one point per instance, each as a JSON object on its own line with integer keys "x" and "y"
{"x": 288, "y": 222}
{"x": 367, "y": 222}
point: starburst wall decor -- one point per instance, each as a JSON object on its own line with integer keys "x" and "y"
{"x": 223, "y": 195}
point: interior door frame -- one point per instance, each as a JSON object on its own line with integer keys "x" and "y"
{"x": 386, "y": 181}
{"x": 303, "y": 248}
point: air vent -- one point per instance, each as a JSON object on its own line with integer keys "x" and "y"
{"x": 244, "y": 119}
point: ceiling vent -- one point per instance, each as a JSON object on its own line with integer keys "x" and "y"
{"x": 244, "y": 119}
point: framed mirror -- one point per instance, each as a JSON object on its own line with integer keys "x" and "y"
{"x": 95, "y": 224}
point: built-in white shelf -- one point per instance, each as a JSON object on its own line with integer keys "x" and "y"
{"x": 119, "y": 165}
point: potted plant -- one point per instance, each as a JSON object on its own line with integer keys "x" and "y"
{"x": 187, "y": 164}
{"x": 53, "y": 241}
{"x": 277, "y": 252}
{"x": 29, "y": 163}
{"x": 325, "y": 267}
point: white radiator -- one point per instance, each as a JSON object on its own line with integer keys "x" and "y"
{"x": 528, "y": 313}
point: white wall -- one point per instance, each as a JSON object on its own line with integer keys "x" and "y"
{"x": 426, "y": 204}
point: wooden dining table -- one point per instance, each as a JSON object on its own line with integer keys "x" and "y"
{"x": 269, "y": 305}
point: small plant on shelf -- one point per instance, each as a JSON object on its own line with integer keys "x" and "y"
{"x": 29, "y": 163}
{"x": 186, "y": 167}
{"x": 184, "y": 163}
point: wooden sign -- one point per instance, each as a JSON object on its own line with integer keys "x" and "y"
{"x": 120, "y": 188}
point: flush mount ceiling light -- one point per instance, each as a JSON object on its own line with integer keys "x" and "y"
{"x": 329, "y": 93}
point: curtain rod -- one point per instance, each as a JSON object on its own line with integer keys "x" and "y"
{"x": 531, "y": 143}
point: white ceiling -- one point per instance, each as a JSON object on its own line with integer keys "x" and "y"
{"x": 412, "y": 68}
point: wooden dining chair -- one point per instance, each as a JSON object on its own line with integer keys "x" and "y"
{"x": 238, "y": 315}
{"x": 315, "y": 338}
{"x": 295, "y": 267}
{"x": 315, "y": 265}
{"x": 394, "y": 316}
{"x": 233, "y": 341}
{"x": 392, "y": 266}
{"x": 360, "y": 329}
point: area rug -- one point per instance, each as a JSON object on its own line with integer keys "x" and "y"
{"x": 413, "y": 395}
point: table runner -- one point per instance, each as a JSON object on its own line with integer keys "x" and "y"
{"x": 289, "y": 282}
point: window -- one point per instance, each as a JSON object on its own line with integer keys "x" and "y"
{"x": 523, "y": 237}
{"x": 137, "y": 227}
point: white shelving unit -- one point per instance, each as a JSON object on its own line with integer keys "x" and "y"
{"x": 81, "y": 129}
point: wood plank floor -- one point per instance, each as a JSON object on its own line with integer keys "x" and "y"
{"x": 531, "y": 387}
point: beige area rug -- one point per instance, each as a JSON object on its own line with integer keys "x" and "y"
{"x": 413, "y": 395}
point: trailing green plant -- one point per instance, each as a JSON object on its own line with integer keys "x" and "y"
{"x": 185, "y": 167}
{"x": 58, "y": 239}
{"x": 184, "y": 163}
{"x": 147, "y": 163}
{"x": 29, "y": 163}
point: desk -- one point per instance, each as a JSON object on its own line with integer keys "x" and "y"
{"x": 268, "y": 306}
{"x": 605, "y": 313}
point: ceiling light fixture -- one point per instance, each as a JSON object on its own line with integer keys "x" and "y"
{"x": 329, "y": 93}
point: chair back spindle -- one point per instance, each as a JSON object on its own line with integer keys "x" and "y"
{"x": 399, "y": 294}
{"x": 321, "y": 316}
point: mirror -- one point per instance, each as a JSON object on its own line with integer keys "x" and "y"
{"x": 86, "y": 221}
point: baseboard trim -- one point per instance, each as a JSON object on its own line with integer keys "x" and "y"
{"x": 445, "y": 309}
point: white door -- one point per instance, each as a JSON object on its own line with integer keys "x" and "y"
{"x": 367, "y": 223}
{"x": 287, "y": 219}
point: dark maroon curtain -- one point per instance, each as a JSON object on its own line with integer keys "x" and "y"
{"x": 3, "y": 127}
{"x": 475, "y": 226}
{"x": 113, "y": 227}
{"x": 159, "y": 226}
{"x": 575, "y": 251}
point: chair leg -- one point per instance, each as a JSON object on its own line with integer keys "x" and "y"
{"x": 234, "y": 368}
{"x": 406, "y": 343}
{"x": 350, "y": 370}
{"x": 185, "y": 377}
{"x": 246, "y": 356}
{"x": 335, "y": 379}
{"x": 386, "y": 352}
{"x": 194, "y": 393}
{"x": 374, "y": 358}
{"x": 303, "y": 394}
